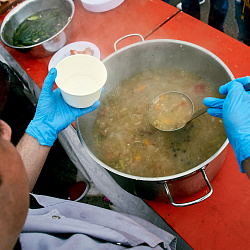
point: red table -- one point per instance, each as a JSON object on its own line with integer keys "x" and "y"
{"x": 222, "y": 221}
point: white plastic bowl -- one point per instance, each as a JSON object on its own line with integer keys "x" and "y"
{"x": 100, "y": 5}
{"x": 81, "y": 79}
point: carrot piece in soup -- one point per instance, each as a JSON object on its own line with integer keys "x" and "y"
{"x": 147, "y": 142}
{"x": 138, "y": 158}
{"x": 139, "y": 89}
{"x": 183, "y": 103}
{"x": 157, "y": 106}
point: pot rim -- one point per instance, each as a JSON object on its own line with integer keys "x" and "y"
{"x": 19, "y": 8}
{"x": 170, "y": 177}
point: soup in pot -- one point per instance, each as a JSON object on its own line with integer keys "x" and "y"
{"x": 126, "y": 141}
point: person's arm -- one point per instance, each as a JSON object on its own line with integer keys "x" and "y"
{"x": 235, "y": 111}
{"x": 52, "y": 116}
{"x": 33, "y": 155}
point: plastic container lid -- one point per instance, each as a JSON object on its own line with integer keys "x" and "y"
{"x": 100, "y": 5}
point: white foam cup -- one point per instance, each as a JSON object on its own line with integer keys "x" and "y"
{"x": 81, "y": 79}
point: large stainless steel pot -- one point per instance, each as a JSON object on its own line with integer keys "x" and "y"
{"x": 142, "y": 56}
{"x": 27, "y": 8}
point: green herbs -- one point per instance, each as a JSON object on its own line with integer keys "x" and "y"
{"x": 39, "y": 27}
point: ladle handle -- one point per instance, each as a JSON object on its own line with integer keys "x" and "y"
{"x": 194, "y": 201}
{"x": 198, "y": 113}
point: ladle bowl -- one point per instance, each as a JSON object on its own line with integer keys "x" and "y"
{"x": 170, "y": 111}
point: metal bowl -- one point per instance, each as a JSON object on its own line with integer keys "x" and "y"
{"x": 22, "y": 11}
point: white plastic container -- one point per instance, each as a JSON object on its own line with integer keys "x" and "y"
{"x": 81, "y": 79}
{"x": 100, "y": 5}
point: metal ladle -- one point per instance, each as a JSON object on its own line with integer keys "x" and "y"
{"x": 153, "y": 115}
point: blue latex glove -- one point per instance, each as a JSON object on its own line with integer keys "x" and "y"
{"x": 53, "y": 114}
{"x": 235, "y": 111}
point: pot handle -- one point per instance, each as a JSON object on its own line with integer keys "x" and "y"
{"x": 124, "y": 37}
{"x": 191, "y": 202}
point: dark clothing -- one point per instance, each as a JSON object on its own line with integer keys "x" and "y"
{"x": 217, "y": 13}
{"x": 191, "y": 7}
{"x": 243, "y": 24}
